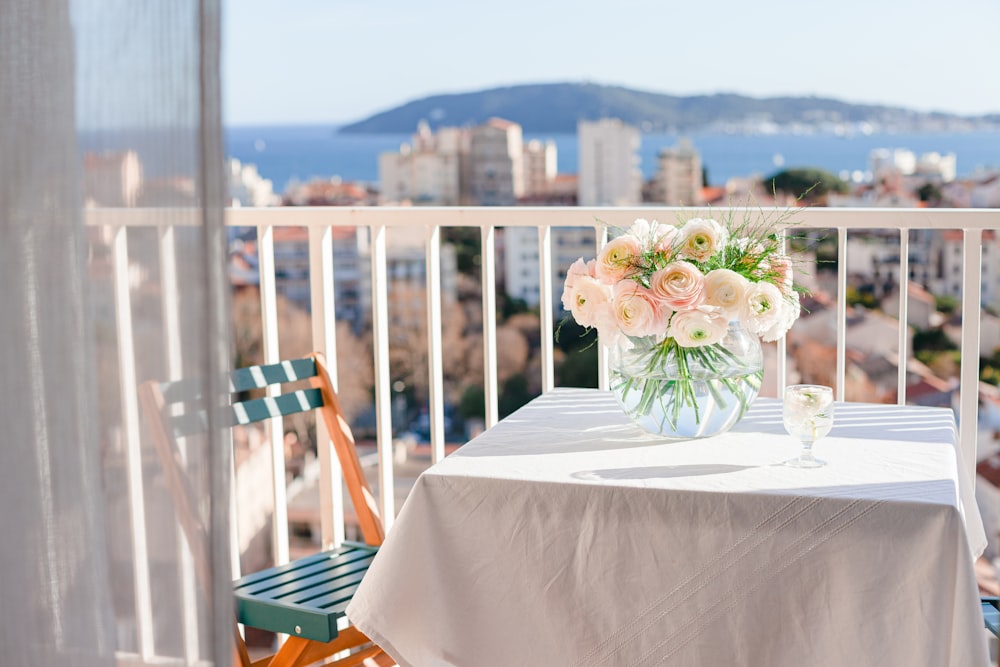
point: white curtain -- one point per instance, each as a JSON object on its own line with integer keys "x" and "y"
{"x": 111, "y": 274}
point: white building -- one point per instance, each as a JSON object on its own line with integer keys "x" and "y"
{"x": 943, "y": 272}
{"x": 427, "y": 171}
{"x": 521, "y": 273}
{"x": 247, "y": 188}
{"x": 496, "y": 157}
{"x": 904, "y": 162}
{"x": 679, "y": 179}
{"x": 609, "y": 172}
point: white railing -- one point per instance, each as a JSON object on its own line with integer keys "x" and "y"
{"x": 321, "y": 220}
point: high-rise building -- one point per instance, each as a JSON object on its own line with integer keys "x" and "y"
{"x": 678, "y": 180}
{"x": 539, "y": 166}
{"x": 429, "y": 170}
{"x": 609, "y": 172}
{"x": 496, "y": 156}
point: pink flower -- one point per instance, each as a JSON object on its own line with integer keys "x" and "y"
{"x": 679, "y": 285}
{"x": 636, "y": 311}
{"x": 589, "y": 301}
{"x": 617, "y": 259}
{"x": 577, "y": 269}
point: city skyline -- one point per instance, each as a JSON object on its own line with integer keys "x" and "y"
{"x": 305, "y": 61}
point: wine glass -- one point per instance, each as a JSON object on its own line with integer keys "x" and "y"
{"x": 808, "y": 416}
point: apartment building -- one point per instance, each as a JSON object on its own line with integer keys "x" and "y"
{"x": 496, "y": 156}
{"x": 608, "y": 164}
{"x": 679, "y": 179}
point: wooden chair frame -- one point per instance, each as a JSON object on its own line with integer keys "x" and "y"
{"x": 262, "y": 598}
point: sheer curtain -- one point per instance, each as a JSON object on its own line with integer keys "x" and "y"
{"x": 111, "y": 274}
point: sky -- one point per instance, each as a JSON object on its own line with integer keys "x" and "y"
{"x": 337, "y": 61}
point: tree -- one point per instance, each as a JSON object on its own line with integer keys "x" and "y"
{"x": 808, "y": 184}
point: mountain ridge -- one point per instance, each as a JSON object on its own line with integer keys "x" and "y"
{"x": 558, "y": 107}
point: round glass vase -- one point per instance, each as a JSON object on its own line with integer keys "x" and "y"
{"x": 688, "y": 392}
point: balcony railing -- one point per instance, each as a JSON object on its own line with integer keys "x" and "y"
{"x": 320, "y": 223}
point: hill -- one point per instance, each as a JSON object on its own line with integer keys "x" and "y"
{"x": 557, "y": 107}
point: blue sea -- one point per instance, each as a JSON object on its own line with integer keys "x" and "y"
{"x": 288, "y": 153}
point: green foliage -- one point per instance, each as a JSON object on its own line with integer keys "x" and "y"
{"x": 579, "y": 367}
{"x": 807, "y": 184}
{"x": 932, "y": 340}
{"x": 989, "y": 368}
{"x": 930, "y": 192}
{"x": 861, "y": 297}
{"x": 513, "y": 394}
{"x": 945, "y": 303}
{"x": 468, "y": 247}
{"x": 472, "y": 405}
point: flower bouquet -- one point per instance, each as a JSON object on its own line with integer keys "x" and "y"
{"x": 682, "y": 309}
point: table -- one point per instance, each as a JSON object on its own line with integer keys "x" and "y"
{"x": 565, "y": 535}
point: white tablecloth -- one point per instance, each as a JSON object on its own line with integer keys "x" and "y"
{"x": 567, "y": 536}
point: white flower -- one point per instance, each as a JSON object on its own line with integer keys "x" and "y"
{"x": 790, "y": 309}
{"x": 589, "y": 300}
{"x": 640, "y": 229}
{"x": 700, "y": 238}
{"x": 727, "y": 290}
{"x": 697, "y": 327}
{"x": 762, "y": 307}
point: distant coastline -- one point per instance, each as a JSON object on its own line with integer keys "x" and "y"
{"x": 304, "y": 152}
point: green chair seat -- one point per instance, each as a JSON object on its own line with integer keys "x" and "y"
{"x": 304, "y": 598}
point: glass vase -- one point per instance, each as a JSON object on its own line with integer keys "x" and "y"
{"x": 688, "y": 392}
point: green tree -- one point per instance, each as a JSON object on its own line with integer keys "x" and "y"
{"x": 807, "y": 184}
{"x": 930, "y": 193}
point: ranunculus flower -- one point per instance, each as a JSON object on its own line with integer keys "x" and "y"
{"x": 617, "y": 259}
{"x": 727, "y": 290}
{"x": 790, "y": 309}
{"x": 577, "y": 269}
{"x": 679, "y": 285}
{"x": 589, "y": 300}
{"x": 700, "y": 238}
{"x": 635, "y": 310}
{"x": 762, "y": 307}
{"x": 697, "y": 327}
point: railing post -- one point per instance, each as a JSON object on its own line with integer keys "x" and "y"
{"x": 172, "y": 342}
{"x": 435, "y": 365}
{"x": 903, "y": 355}
{"x": 324, "y": 340}
{"x": 491, "y": 384}
{"x": 968, "y": 414}
{"x": 130, "y": 436}
{"x": 546, "y": 306}
{"x": 383, "y": 397}
{"x": 269, "y": 329}
{"x": 841, "y": 313}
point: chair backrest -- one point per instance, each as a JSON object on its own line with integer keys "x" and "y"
{"x": 168, "y": 423}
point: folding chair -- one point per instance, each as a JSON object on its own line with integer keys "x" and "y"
{"x": 306, "y": 598}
